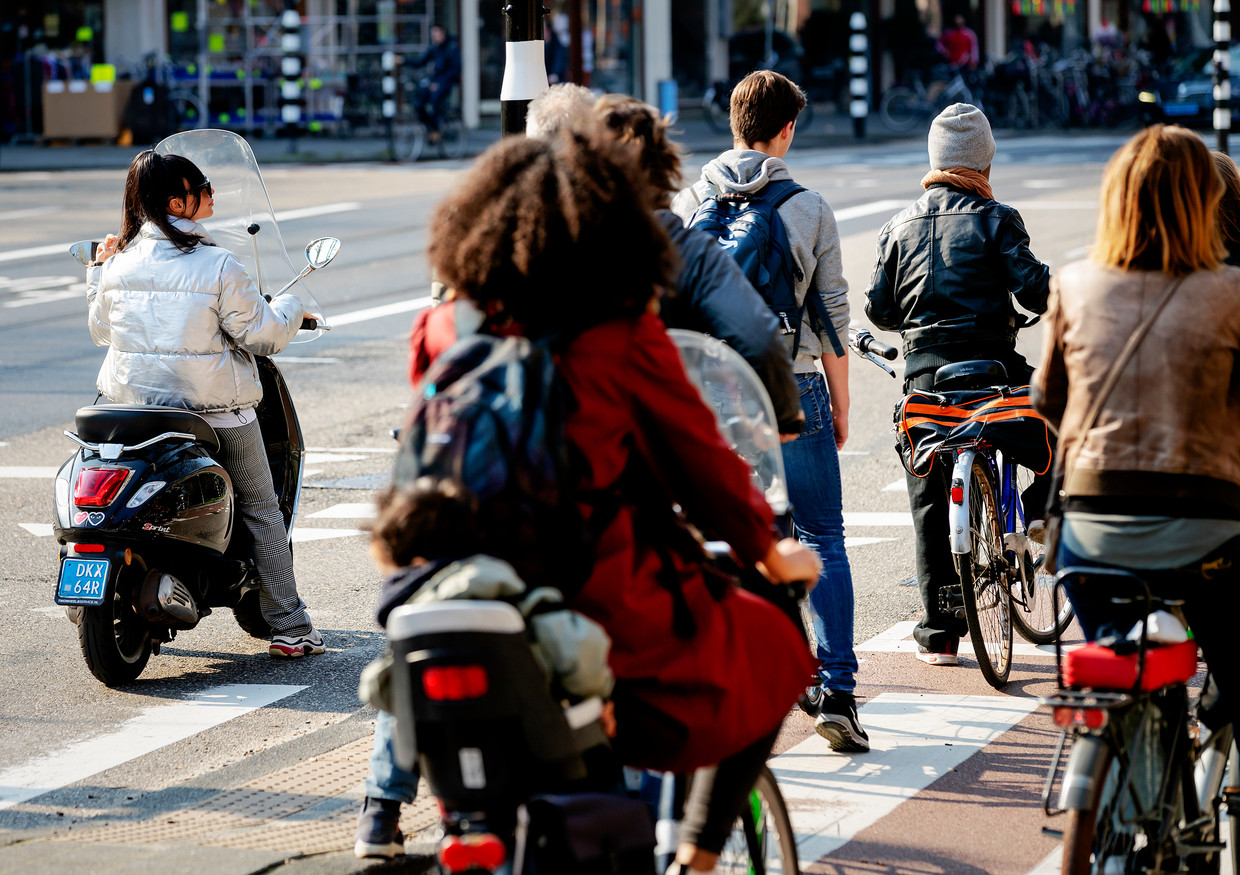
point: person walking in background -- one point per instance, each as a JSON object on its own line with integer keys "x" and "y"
{"x": 947, "y": 269}
{"x": 958, "y": 45}
{"x": 764, "y": 110}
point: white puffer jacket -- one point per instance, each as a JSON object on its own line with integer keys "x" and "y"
{"x": 182, "y": 328}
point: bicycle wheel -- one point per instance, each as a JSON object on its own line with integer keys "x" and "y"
{"x": 408, "y": 140}
{"x": 984, "y": 580}
{"x": 763, "y": 833}
{"x": 901, "y": 109}
{"x": 1118, "y": 832}
{"x": 715, "y": 110}
{"x": 1033, "y": 600}
{"x": 1019, "y": 112}
{"x": 188, "y": 113}
{"x": 452, "y": 139}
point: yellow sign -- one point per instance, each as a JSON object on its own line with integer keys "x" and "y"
{"x": 215, "y": 42}
{"x": 179, "y": 22}
{"x": 84, "y": 35}
{"x": 102, "y": 73}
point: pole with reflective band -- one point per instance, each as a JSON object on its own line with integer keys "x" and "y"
{"x": 1222, "y": 72}
{"x": 859, "y": 72}
{"x": 525, "y": 70}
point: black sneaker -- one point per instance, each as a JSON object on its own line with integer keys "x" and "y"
{"x": 378, "y": 829}
{"x": 810, "y": 701}
{"x": 839, "y": 725}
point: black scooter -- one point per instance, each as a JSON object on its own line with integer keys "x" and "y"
{"x": 145, "y": 521}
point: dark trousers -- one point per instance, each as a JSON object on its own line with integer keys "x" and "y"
{"x": 938, "y": 631}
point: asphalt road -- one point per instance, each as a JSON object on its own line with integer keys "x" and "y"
{"x": 350, "y": 388}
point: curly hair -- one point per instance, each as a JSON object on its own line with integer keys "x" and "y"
{"x": 429, "y": 519}
{"x": 553, "y": 233}
{"x": 639, "y": 124}
{"x": 1159, "y": 205}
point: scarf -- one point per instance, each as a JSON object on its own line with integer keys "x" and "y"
{"x": 959, "y": 177}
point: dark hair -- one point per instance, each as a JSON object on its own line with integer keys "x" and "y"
{"x": 152, "y": 180}
{"x": 761, "y": 104}
{"x": 431, "y": 519}
{"x": 639, "y": 124}
{"x": 553, "y": 233}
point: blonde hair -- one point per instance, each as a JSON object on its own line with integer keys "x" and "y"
{"x": 1159, "y": 210}
{"x": 1229, "y": 206}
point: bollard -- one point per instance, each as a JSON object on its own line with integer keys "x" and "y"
{"x": 1222, "y": 72}
{"x": 292, "y": 98}
{"x": 859, "y": 73}
{"x": 525, "y": 70}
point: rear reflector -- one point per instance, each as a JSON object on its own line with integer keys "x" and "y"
{"x": 472, "y": 852}
{"x": 1091, "y": 718}
{"x": 87, "y": 548}
{"x": 96, "y": 487}
{"x": 450, "y": 683}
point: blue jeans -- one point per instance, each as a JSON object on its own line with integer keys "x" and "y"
{"x": 813, "y": 469}
{"x": 387, "y": 780}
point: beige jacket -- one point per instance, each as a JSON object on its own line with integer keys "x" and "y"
{"x": 1170, "y": 430}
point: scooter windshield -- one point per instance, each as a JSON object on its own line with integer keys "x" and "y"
{"x": 241, "y": 207}
{"x": 743, "y": 410}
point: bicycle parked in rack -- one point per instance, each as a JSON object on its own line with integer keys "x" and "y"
{"x": 993, "y": 441}
{"x": 904, "y": 108}
{"x": 1145, "y": 790}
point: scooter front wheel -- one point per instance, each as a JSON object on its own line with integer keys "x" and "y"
{"x": 115, "y": 641}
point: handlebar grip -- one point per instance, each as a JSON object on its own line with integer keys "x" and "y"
{"x": 309, "y": 324}
{"x": 868, "y": 343}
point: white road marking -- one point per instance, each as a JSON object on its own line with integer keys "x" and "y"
{"x": 155, "y": 727}
{"x": 323, "y": 210}
{"x": 283, "y": 216}
{"x": 863, "y": 542}
{"x": 914, "y": 740}
{"x": 843, "y": 214}
{"x": 324, "y": 458}
{"x": 307, "y": 360}
{"x": 380, "y": 312}
{"x": 50, "y": 611}
{"x": 854, "y": 452}
{"x": 898, "y": 639}
{"x": 39, "y": 530}
{"x": 302, "y": 535}
{"x": 392, "y": 449}
{"x": 1026, "y": 206}
{"x": 897, "y": 518}
{"x": 1044, "y": 183}
{"x": 896, "y": 486}
{"x": 346, "y": 511}
{"x": 27, "y": 472}
{"x": 1051, "y": 864}
{"x": 33, "y": 211}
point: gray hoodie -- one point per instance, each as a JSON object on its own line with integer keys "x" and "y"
{"x": 812, "y": 236}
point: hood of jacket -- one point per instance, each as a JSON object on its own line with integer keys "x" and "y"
{"x": 743, "y": 171}
{"x": 182, "y": 328}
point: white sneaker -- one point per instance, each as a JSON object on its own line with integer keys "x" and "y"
{"x": 295, "y": 646}
{"x": 937, "y": 658}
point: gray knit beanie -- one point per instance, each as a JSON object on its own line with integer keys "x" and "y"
{"x": 960, "y": 137}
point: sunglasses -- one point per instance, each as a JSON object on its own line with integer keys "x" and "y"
{"x": 205, "y": 185}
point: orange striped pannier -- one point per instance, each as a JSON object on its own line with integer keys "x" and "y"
{"x": 1004, "y": 418}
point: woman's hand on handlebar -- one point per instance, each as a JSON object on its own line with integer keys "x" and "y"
{"x": 107, "y": 248}
{"x": 790, "y": 561}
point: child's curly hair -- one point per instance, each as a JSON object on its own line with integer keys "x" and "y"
{"x": 431, "y": 519}
{"x": 639, "y": 125}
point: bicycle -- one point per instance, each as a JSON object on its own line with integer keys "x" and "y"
{"x": 1143, "y": 791}
{"x": 903, "y": 108}
{"x": 987, "y": 432}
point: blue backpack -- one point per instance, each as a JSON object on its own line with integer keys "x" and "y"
{"x": 490, "y": 415}
{"x": 749, "y": 229}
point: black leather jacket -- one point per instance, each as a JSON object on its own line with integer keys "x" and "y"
{"x": 713, "y": 296}
{"x": 947, "y": 269}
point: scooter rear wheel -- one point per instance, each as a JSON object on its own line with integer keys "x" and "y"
{"x": 115, "y": 641}
{"x": 250, "y": 616}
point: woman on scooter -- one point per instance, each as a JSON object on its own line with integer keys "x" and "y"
{"x": 182, "y": 322}
{"x": 554, "y": 239}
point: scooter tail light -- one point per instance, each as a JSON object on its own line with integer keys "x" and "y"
{"x": 452, "y": 683}
{"x": 472, "y": 852}
{"x": 97, "y": 487}
{"x": 1067, "y": 716}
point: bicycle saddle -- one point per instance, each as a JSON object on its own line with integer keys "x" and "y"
{"x": 977, "y": 374}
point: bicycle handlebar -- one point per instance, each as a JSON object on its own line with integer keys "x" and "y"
{"x": 866, "y": 345}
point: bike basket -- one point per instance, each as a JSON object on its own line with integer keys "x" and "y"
{"x": 1004, "y": 418}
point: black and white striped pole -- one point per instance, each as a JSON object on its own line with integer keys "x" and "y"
{"x": 388, "y": 62}
{"x": 292, "y": 65}
{"x": 525, "y": 69}
{"x": 859, "y": 72}
{"x": 1222, "y": 72}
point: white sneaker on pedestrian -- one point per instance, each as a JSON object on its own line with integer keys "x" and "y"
{"x": 296, "y": 646}
{"x": 946, "y": 657}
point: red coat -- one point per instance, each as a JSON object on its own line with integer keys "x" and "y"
{"x": 732, "y": 683}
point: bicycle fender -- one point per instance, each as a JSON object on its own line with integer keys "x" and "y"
{"x": 1083, "y": 772}
{"x": 958, "y": 530}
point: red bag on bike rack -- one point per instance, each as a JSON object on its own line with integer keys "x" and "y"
{"x": 926, "y": 422}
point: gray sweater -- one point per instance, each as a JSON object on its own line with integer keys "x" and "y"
{"x": 812, "y": 236}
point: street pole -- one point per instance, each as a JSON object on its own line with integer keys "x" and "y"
{"x": 292, "y": 67}
{"x": 859, "y": 71}
{"x": 525, "y": 69}
{"x": 1222, "y": 72}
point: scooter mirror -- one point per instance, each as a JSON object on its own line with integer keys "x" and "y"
{"x": 320, "y": 252}
{"x": 83, "y": 251}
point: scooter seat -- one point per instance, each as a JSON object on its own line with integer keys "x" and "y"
{"x": 976, "y": 374}
{"x": 135, "y": 423}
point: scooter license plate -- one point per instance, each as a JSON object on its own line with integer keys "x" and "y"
{"x": 83, "y": 581}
